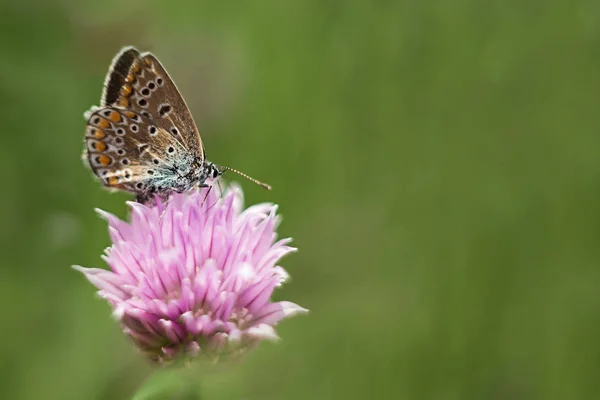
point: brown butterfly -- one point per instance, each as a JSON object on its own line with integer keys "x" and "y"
{"x": 143, "y": 139}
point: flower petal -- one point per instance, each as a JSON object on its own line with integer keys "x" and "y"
{"x": 104, "y": 280}
{"x": 272, "y": 313}
{"x": 262, "y": 332}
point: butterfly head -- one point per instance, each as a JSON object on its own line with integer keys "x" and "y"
{"x": 212, "y": 171}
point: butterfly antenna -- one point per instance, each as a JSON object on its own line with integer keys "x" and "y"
{"x": 259, "y": 183}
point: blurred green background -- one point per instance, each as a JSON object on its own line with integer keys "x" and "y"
{"x": 437, "y": 163}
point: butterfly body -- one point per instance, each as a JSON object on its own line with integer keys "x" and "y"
{"x": 142, "y": 138}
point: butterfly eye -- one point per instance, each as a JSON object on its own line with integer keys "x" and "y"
{"x": 170, "y": 149}
{"x": 150, "y": 172}
{"x": 152, "y": 130}
{"x": 134, "y": 128}
{"x": 156, "y": 161}
{"x": 120, "y": 152}
{"x": 139, "y": 185}
{"x": 142, "y": 102}
{"x": 125, "y": 161}
{"x": 145, "y": 91}
{"x": 152, "y": 86}
{"x": 159, "y": 81}
{"x": 120, "y": 131}
{"x": 174, "y": 131}
{"x": 118, "y": 140}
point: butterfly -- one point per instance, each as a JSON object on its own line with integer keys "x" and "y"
{"x": 142, "y": 138}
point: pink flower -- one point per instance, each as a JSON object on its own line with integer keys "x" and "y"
{"x": 195, "y": 274}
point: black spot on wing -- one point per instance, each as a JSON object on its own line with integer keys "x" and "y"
{"x": 164, "y": 110}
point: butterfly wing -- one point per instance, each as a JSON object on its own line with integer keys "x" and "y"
{"x": 138, "y": 82}
{"x": 117, "y": 73}
{"x": 127, "y": 151}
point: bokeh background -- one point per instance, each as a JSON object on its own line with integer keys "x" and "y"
{"x": 437, "y": 162}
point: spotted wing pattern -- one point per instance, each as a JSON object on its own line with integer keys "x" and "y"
{"x": 147, "y": 88}
{"x": 117, "y": 74}
{"x": 127, "y": 151}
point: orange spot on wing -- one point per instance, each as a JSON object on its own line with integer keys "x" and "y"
{"x": 115, "y": 116}
{"x": 136, "y": 68}
{"x": 97, "y": 133}
{"x": 100, "y": 146}
{"x": 126, "y": 90}
{"x": 103, "y": 123}
{"x": 113, "y": 180}
{"x": 130, "y": 114}
{"x": 129, "y": 78}
{"x": 103, "y": 159}
{"x": 124, "y": 102}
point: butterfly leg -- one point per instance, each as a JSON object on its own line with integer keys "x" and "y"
{"x": 207, "y": 192}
